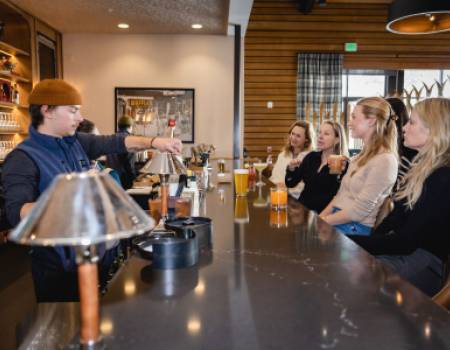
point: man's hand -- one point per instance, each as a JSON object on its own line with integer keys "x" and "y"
{"x": 26, "y": 208}
{"x": 167, "y": 145}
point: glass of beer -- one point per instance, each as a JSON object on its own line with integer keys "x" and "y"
{"x": 241, "y": 182}
{"x": 155, "y": 209}
{"x": 336, "y": 163}
{"x": 278, "y": 218}
{"x": 241, "y": 215}
{"x": 182, "y": 207}
{"x": 278, "y": 198}
{"x": 260, "y": 167}
{"x": 221, "y": 166}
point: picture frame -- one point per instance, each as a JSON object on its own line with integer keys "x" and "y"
{"x": 152, "y": 108}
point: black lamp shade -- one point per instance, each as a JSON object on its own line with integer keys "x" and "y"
{"x": 419, "y": 16}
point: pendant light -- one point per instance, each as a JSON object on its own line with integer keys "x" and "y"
{"x": 419, "y": 16}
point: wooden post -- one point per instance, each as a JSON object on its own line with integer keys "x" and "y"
{"x": 89, "y": 303}
{"x": 164, "y": 199}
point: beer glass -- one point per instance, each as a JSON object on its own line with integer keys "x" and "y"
{"x": 155, "y": 208}
{"x": 221, "y": 166}
{"x": 241, "y": 182}
{"x": 278, "y": 218}
{"x": 278, "y": 198}
{"x": 241, "y": 215}
{"x": 335, "y": 163}
{"x": 182, "y": 207}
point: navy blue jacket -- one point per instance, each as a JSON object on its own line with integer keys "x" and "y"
{"x": 28, "y": 170}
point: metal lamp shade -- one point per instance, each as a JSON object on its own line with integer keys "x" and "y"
{"x": 419, "y": 16}
{"x": 82, "y": 209}
{"x": 164, "y": 163}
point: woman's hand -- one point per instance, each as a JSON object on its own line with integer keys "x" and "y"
{"x": 294, "y": 163}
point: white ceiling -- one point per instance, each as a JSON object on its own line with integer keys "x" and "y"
{"x": 143, "y": 16}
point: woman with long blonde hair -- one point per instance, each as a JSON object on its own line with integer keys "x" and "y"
{"x": 299, "y": 142}
{"x": 320, "y": 184}
{"x": 414, "y": 238}
{"x": 371, "y": 174}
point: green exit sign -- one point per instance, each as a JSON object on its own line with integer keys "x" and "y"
{"x": 351, "y": 47}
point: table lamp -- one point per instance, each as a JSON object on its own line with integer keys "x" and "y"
{"x": 164, "y": 164}
{"x": 82, "y": 210}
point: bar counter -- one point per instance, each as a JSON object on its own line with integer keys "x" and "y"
{"x": 262, "y": 286}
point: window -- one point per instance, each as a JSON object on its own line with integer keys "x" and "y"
{"x": 362, "y": 83}
{"x": 416, "y": 78}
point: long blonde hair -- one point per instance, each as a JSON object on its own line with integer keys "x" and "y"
{"x": 309, "y": 137}
{"x": 341, "y": 147}
{"x": 384, "y": 137}
{"x": 435, "y": 114}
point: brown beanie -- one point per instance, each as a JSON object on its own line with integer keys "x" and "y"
{"x": 54, "y": 92}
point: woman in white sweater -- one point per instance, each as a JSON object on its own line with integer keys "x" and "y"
{"x": 371, "y": 174}
{"x": 298, "y": 144}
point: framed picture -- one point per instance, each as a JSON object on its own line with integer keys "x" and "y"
{"x": 152, "y": 108}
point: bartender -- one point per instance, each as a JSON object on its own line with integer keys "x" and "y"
{"x": 54, "y": 147}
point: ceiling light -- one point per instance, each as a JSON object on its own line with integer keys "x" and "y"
{"x": 123, "y": 25}
{"x": 197, "y": 26}
{"x": 419, "y": 17}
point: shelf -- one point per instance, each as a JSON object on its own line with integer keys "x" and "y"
{"x": 12, "y": 132}
{"x": 12, "y": 50}
{"x": 4, "y": 74}
{"x": 11, "y": 105}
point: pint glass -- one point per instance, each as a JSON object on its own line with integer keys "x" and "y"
{"x": 241, "y": 182}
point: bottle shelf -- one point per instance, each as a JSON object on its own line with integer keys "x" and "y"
{"x": 12, "y": 132}
{"x": 12, "y": 105}
{"x": 13, "y": 77}
{"x": 12, "y": 50}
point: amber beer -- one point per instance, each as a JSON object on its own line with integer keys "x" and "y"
{"x": 241, "y": 182}
{"x": 241, "y": 215}
{"x": 335, "y": 163}
{"x": 278, "y": 218}
{"x": 278, "y": 198}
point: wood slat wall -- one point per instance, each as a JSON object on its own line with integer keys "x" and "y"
{"x": 277, "y": 32}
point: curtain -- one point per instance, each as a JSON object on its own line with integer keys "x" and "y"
{"x": 319, "y": 87}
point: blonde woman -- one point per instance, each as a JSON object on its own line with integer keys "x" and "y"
{"x": 414, "y": 238}
{"x": 320, "y": 185}
{"x": 299, "y": 142}
{"x": 371, "y": 174}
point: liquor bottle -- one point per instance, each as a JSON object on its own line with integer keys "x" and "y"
{"x": 15, "y": 94}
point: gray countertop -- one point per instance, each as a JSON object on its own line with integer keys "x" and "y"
{"x": 303, "y": 286}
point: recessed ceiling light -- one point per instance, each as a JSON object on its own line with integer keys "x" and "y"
{"x": 197, "y": 26}
{"x": 123, "y": 26}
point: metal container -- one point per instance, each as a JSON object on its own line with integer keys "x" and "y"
{"x": 169, "y": 250}
{"x": 200, "y": 225}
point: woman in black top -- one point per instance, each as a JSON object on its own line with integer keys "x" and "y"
{"x": 405, "y": 154}
{"x": 414, "y": 238}
{"x": 320, "y": 185}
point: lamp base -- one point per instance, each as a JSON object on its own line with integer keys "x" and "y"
{"x": 93, "y": 345}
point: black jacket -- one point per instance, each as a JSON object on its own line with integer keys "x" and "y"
{"x": 320, "y": 187}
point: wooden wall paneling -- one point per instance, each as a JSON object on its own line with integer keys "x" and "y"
{"x": 277, "y": 32}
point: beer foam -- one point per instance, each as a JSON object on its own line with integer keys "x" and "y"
{"x": 241, "y": 171}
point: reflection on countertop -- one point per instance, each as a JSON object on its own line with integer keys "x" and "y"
{"x": 262, "y": 286}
